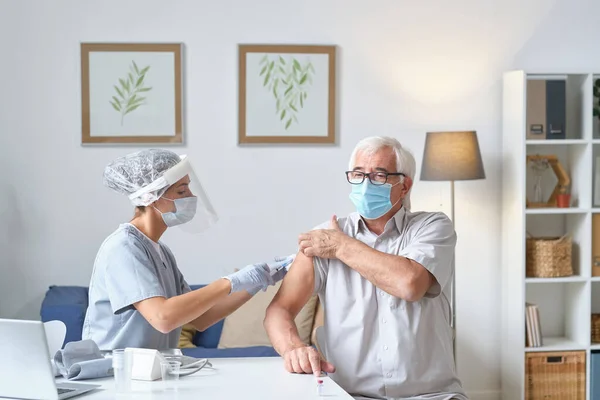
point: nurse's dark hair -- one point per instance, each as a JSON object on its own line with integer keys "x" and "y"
{"x": 140, "y": 209}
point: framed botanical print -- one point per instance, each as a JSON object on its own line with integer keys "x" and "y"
{"x": 131, "y": 93}
{"x": 287, "y": 94}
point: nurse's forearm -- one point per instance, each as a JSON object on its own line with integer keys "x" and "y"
{"x": 221, "y": 310}
{"x": 396, "y": 275}
{"x": 168, "y": 314}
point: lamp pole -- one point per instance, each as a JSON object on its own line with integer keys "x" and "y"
{"x": 452, "y": 202}
{"x": 453, "y": 288}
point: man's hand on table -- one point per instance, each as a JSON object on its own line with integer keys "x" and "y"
{"x": 306, "y": 360}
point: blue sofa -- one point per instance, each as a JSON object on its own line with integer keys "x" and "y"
{"x": 69, "y": 304}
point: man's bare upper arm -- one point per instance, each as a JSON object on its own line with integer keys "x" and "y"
{"x": 297, "y": 287}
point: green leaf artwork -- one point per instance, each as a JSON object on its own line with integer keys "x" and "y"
{"x": 289, "y": 81}
{"x": 128, "y": 97}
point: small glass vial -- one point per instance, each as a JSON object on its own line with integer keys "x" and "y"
{"x": 320, "y": 387}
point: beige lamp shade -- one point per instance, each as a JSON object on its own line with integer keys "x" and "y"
{"x": 452, "y": 156}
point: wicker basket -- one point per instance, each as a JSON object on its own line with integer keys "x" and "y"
{"x": 595, "y": 328}
{"x": 559, "y": 376}
{"x": 549, "y": 257}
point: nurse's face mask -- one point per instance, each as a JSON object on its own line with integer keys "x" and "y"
{"x": 184, "y": 202}
{"x": 185, "y": 209}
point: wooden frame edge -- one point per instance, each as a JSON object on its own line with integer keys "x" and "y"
{"x": 330, "y": 50}
{"x": 175, "y": 48}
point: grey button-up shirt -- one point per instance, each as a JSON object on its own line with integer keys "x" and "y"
{"x": 382, "y": 346}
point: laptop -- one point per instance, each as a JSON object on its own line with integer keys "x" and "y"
{"x": 25, "y": 368}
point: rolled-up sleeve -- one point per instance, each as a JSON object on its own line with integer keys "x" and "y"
{"x": 131, "y": 276}
{"x": 320, "y": 265}
{"x": 433, "y": 246}
{"x": 184, "y": 286}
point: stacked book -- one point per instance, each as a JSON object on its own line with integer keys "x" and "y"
{"x": 533, "y": 335}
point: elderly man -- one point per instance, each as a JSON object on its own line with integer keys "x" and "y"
{"x": 379, "y": 274}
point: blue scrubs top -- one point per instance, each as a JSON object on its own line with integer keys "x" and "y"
{"x": 129, "y": 268}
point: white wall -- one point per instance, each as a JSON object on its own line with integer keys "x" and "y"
{"x": 405, "y": 67}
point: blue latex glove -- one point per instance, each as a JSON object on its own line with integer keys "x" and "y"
{"x": 277, "y": 270}
{"x": 255, "y": 277}
{"x": 250, "y": 277}
{"x": 280, "y": 267}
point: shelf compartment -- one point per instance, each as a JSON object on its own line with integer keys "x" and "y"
{"x": 594, "y": 177}
{"x": 578, "y": 226}
{"x": 595, "y": 256}
{"x": 575, "y": 160}
{"x": 542, "y": 370}
{"x": 563, "y": 314}
{"x": 594, "y": 120}
{"x": 556, "y": 107}
{"x": 595, "y": 307}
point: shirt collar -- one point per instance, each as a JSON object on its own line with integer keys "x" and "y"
{"x": 141, "y": 235}
{"x": 396, "y": 223}
{"x": 151, "y": 245}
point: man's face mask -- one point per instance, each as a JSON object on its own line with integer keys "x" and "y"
{"x": 372, "y": 201}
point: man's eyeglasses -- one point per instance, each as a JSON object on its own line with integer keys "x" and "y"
{"x": 376, "y": 177}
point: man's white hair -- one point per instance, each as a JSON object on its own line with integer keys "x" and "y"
{"x": 405, "y": 161}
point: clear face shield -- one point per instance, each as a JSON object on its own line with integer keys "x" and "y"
{"x": 205, "y": 215}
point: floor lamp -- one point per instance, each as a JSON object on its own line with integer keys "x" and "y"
{"x": 452, "y": 156}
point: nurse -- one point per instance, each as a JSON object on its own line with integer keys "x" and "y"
{"x": 137, "y": 295}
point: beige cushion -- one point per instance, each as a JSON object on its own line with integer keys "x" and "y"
{"x": 187, "y": 336}
{"x": 244, "y": 327}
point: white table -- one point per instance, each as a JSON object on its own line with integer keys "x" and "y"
{"x": 262, "y": 378}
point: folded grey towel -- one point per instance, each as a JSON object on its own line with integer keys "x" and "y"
{"x": 82, "y": 360}
{"x": 90, "y": 369}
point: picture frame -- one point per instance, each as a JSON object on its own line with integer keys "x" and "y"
{"x": 131, "y": 93}
{"x": 286, "y": 93}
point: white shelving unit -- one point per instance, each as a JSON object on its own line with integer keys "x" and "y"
{"x": 565, "y": 304}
